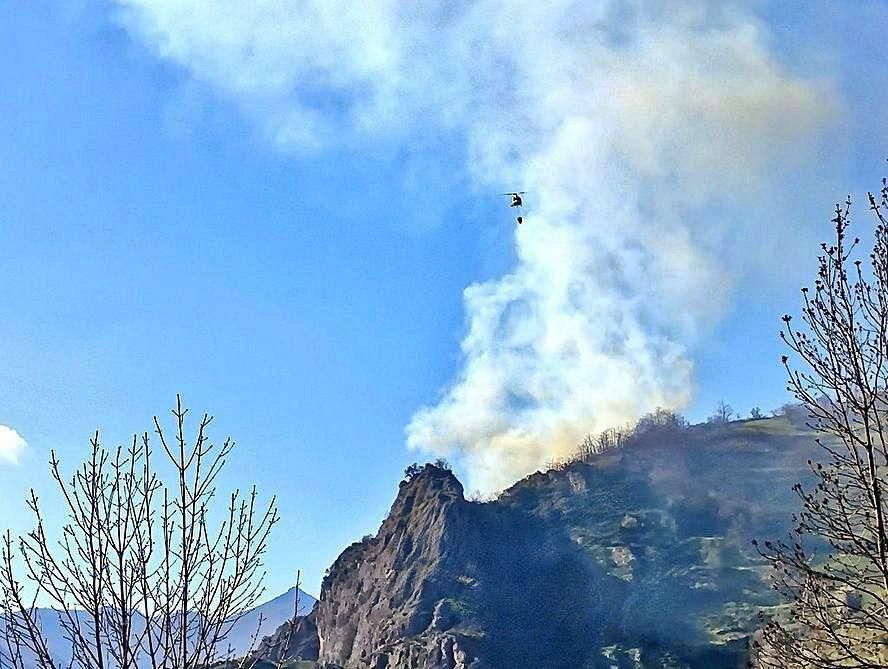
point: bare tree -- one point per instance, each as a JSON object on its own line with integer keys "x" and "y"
{"x": 147, "y": 571}
{"x": 291, "y": 624}
{"x": 723, "y": 414}
{"x": 603, "y": 442}
{"x": 834, "y": 569}
{"x": 659, "y": 421}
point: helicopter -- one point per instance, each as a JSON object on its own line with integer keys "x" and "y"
{"x": 518, "y": 202}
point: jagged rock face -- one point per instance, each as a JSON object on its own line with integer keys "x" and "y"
{"x": 389, "y": 588}
{"x": 293, "y": 641}
{"x": 447, "y": 584}
{"x": 640, "y": 558}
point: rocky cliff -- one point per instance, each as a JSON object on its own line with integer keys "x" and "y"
{"x": 292, "y": 642}
{"x": 385, "y": 600}
{"x": 638, "y": 558}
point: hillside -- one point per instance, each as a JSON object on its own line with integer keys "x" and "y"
{"x": 636, "y": 558}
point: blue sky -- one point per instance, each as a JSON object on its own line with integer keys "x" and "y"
{"x": 158, "y": 236}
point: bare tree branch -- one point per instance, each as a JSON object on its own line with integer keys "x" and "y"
{"x": 834, "y": 569}
{"x": 144, "y": 572}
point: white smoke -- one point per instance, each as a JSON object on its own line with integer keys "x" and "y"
{"x": 630, "y": 125}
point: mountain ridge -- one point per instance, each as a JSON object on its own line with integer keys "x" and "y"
{"x": 638, "y": 557}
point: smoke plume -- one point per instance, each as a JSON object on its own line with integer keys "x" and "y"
{"x": 632, "y": 125}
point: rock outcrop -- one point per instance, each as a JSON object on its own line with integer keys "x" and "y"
{"x": 384, "y": 602}
{"x": 450, "y": 584}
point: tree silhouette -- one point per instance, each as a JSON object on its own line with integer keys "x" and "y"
{"x": 834, "y": 569}
{"x": 723, "y": 414}
{"x": 141, "y": 575}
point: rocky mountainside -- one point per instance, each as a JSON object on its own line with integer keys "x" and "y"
{"x": 636, "y": 558}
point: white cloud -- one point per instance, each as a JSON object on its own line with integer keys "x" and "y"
{"x": 625, "y": 122}
{"x": 12, "y": 446}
